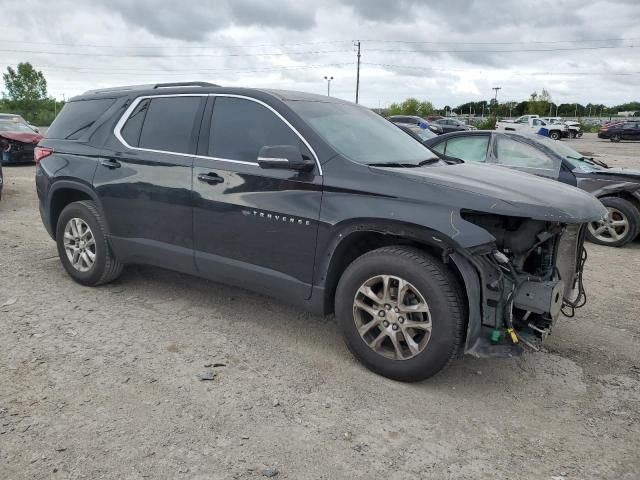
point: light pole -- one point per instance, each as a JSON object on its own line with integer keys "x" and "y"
{"x": 328, "y": 79}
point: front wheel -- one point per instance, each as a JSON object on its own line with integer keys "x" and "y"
{"x": 83, "y": 247}
{"x": 401, "y": 312}
{"x": 621, "y": 226}
{"x": 615, "y": 138}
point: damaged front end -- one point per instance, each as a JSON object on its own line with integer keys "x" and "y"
{"x": 529, "y": 275}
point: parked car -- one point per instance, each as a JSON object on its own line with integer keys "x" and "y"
{"x": 414, "y": 121}
{"x": 617, "y": 188}
{"x": 615, "y": 132}
{"x": 17, "y": 118}
{"x": 533, "y": 124}
{"x": 420, "y": 134}
{"x": 321, "y": 203}
{"x": 573, "y": 128}
{"x": 450, "y": 125}
{"x": 17, "y": 142}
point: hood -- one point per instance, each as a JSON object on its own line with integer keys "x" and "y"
{"x": 24, "y": 137}
{"x": 500, "y": 190}
{"x": 629, "y": 173}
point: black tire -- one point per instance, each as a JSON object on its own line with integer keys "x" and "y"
{"x": 579, "y": 135}
{"x": 436, "y": 284}
{"x": 105, "y": 268}
{"x": 615, "y": 138}
{"x": 555, "y": 134}
{"x": 629, "y": 211}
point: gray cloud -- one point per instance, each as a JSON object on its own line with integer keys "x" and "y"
{"x": 192, "y": 42}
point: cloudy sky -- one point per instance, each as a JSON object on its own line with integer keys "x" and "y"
{"x": 448, "y": 51}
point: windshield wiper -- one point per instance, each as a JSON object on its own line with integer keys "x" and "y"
{"x": 591, "y": 160}
{"x": 394, "y": 165}
{"x": 429, "y": 161}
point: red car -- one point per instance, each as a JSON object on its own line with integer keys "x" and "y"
{"x": 17, "y": 142}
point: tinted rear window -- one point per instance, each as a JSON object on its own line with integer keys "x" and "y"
{"x": 77, "y": 117}
{"x": 168, "y": 124}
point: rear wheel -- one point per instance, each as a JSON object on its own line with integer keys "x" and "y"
{"x": 621, "y": 226}
{"x": 401, "y": 312}
{"x": 555, "y": 134}
{"x": 615, "y": 138}
{"x": 572, "y": 134}
{"x": 83, "y": 247}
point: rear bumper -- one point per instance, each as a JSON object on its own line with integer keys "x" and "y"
{"x": 603, "y": 135}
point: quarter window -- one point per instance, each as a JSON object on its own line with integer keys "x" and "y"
{"x": 163, "y": 123}
{"x": 240, "y": 128}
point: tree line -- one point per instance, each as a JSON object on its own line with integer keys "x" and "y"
{"x": 26, "y": 94}
{"x": 538, "y": 103}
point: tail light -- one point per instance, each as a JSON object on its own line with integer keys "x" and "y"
{"x": 41, "y": 152}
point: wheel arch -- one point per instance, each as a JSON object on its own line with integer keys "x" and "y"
{"x": 355, "y": 239}
{"x": 64, "y": 192}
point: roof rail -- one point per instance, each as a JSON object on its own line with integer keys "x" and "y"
{"x": 185, "y": 84}
{"x": 120, "y": 89}
{"x": 150, "y": 86}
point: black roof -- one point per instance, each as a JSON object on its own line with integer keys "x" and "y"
{"x": 201, "y": 87}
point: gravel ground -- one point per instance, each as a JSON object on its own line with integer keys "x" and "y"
{"x": 107, "y": 382}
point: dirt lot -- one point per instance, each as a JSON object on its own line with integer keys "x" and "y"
{"x": 103, "y": 383}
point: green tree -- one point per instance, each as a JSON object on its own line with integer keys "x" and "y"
{"x": 411, "y": 106}
{"x": 25, "y": 83}
{"x": 26, "y": 94}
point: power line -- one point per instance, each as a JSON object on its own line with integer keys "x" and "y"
{"x": 414, "y": 42}
{"x": 180, "y": 55}
{"x": 523, "y": 50}
{"x": 87, "y": 45}
{"x": 190, "y": 72}
{"x": 418, "y": 42}
{"x": 483, "y": 71}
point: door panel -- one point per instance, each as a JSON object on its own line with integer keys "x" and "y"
{"x": 256, "y": 227}
{"x": 145, "y": 192}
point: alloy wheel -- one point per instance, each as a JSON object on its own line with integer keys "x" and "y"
{"x": 79, "y": 244}
{"x": 614, "y": 228}
{"x": 392, "y": 317}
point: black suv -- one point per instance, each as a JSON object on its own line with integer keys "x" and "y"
{"x": 321, "y": 203}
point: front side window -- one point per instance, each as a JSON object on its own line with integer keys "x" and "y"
{"x": 472, "y": 148}
{"x": 359, "y": 134}
{"x": 519, "y": 154}
{"x": 241, "y": 127}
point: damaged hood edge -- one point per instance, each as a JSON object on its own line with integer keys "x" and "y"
{"x": 503, "y": 191}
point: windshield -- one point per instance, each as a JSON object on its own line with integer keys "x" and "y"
{"x": 576, "y": 159}
{"x": 14, "y": 127}
{"x": 361, "y": 135}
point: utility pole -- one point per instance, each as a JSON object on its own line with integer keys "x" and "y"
{"x": 357, "y": 43}
{"x": 328, "y": 79}
{"x": 510, "y": 107}
{"x": 576, "y": 110}
{"x": 496, "y": 96}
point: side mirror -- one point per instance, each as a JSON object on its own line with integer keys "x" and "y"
{"x": 288, "y": 157}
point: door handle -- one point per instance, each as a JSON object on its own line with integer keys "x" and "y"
{"x": 210, "y": 178}
{"x": 110, "y": 163}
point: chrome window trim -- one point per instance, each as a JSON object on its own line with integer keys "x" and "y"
{"x": 125, "y": 116}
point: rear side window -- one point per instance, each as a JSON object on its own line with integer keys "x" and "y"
{"x": 472, "y": 148}
{"x": 167, "y": 125}
{"x": 240, "y": 128}
{"x": 77, "y": 117}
